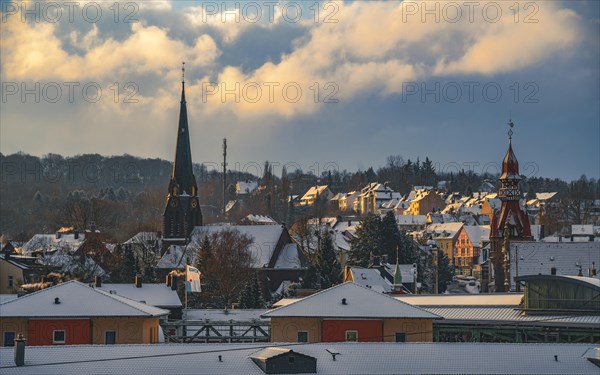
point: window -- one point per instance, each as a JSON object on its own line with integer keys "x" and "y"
{"x": 400, "y": 337}
{"x": 302, "y": 336}
{"x": 58, "y": 337}
{"x": 11, "y": 281}
{"x": 9, "y": 339}
{"x": 110, "y": 337}
{"x": 351, "y": 336}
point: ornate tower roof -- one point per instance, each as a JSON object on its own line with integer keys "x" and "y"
{"x": 510, "y": 164}
{"x": 510, "y": 213}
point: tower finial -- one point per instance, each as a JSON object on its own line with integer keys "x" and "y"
{"x": 510, "y": 126}
{"x": 183, "y": 71}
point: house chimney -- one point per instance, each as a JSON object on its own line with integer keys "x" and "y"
{"x": 168, "y": 280}
{"x": 57, "y": 301}
{"x": 20, "y": 350}
{"x": 344, "y": 301}
{"x": 98, "y": 281}
{"x": 76, "y": 234}
{"x": 57, "y": 235}
{"x": 593, "y": 269}
{"x": 138, "y": 281}
{"x": 174, "y": 282}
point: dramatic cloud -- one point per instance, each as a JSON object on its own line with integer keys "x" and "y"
{"x": 261, "y": 71}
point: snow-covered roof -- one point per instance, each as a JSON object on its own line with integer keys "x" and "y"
{"x": 314, "y": 191}
{"x": 353, "y": 358}
{"x": 265, "y": 240}
{"x": 463, "y": 300}
{"x": 143, "y": 237}
{"x": 371, "y": 278}
{"x": 477, "y": 234}
{"x": 219, "y": 315}
{"x": 545, "y": 196}
{"x": 76, "y": 300}
{"x": 63, "y": 259}
{"x": 52, "y": 242}
{"x": 538, "y": 258}
{"x": 158, "y": 295}
{"x": 411, "y": 219}
{"x": 360, "y": 302}
{"x": 508, "y": 314}
{"x": 7, "y": 297}
{"x": 445, "y": 230}
{"x": 245, "y": 187}
{"x": 260, "y": 219}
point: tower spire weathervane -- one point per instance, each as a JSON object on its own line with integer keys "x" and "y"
{"x": 510, "y": 126}
{"x": 183, "y": 71}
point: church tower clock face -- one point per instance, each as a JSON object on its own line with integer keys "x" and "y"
{"x": 194, "y": 204}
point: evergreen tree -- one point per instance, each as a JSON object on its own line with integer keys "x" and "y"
{"x": 203, "y": 255}
{"x": 444, "y": 272}
{"x": 329, "y": 268}
{"x": 367, "y": 241}
{"x": 131, "y": 268}
{"x": 251, "y": 296}
{"x": 390, "y": 236}
{"x": 311, "y": 277}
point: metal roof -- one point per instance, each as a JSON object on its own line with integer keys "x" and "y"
{"x": 473, "y": 315}
{"x": 353, "y": 358}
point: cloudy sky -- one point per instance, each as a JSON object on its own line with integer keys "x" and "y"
{"x": 314, "y": 85}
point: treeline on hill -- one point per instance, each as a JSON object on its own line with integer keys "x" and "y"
{"x": 125, "y": 194}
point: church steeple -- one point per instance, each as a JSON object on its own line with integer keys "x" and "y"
{"x": 182, "y": 177}
{"x": 182, "y": 212}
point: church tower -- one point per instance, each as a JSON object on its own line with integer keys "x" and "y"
{"x": 511, "y": 223}
{"x": 182, "y": 211}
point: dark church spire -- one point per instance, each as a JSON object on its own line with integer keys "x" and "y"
{"x": 182, "y": 212}
{"x": 182, "y": 177}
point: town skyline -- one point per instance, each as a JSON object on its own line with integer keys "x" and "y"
{"x": 409, "y": 106}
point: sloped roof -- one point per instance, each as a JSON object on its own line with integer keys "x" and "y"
{"x": 360, "y": 303}
{"x": 76, "y": 300}
{"x": 265, "y": 240}
{"x": 476, "y": 233}
{"x": 444, "y": 230}
{"x": 371, "y": 278}
{"x": 314, "y": 191}
{"x": 152, "y": 294}
{"x": 50, "y": 242}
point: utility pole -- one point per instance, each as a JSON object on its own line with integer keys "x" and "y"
{"x": 224, "y": 175}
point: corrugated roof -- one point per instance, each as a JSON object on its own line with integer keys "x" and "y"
{"x": 538, "y": 258}
{"x": 512, "y": 299}
{"x": 353, "y": 358}
{"x": 508, "y": 314}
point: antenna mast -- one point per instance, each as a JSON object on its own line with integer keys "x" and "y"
{"x": 224, "y": 174}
